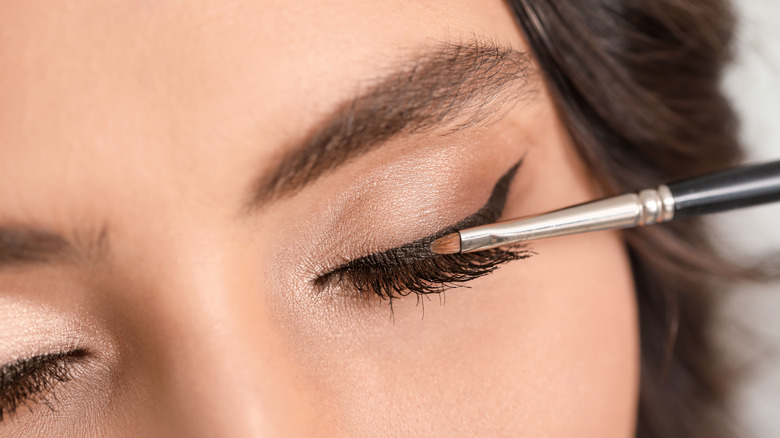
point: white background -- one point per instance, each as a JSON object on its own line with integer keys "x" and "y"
{"x": 753, "y": 83}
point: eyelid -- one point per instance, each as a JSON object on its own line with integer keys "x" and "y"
{"x": 413, "y": 268}
{"x": 420, "y": 249}
{"x": 33, "y": 380}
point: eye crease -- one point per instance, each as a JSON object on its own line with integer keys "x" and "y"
{"x": 413, "y": 268}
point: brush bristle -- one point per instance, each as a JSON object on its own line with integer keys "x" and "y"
{"x": 449, "y": 244}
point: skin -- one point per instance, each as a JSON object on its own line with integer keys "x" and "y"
{"x": 151, "y": 121}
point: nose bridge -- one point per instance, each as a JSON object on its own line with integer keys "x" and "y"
{"x": 220, "y": 366}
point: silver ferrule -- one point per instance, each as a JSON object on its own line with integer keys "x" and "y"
{"x": 647, "y": 207}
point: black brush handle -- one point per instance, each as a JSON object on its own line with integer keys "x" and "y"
{"x": 726, "y": 190}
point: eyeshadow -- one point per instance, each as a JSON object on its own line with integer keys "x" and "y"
{"x": 420, "y": 248}
{"x": 413, "y": 269}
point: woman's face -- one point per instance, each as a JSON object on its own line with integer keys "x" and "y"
{"x": 183, "y": 184}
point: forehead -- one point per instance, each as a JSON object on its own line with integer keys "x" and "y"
{"x": 197, "y": 94}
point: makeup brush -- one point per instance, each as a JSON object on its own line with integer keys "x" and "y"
{"x": 730, "y": 189}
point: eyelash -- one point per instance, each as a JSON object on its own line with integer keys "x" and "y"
{"x": 390, "y": 276}
{"x": 32, "y": 380}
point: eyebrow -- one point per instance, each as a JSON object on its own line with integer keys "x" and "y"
{"x": 451, "y": 87}
{"x": 29, "y": 246}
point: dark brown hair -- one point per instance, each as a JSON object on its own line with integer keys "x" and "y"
{"x": 637, "y": 83}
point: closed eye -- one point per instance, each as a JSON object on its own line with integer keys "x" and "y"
{"x": 31, "y": 381}
{"x": 413, "y": 268}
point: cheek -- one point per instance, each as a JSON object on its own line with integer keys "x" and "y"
{"x": 547, "y": 346}
{"x": 583, "y": 349}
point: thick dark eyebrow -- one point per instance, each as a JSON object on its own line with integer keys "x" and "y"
{"x": 451, "y": 87}
{"x": 26, "y": 246}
